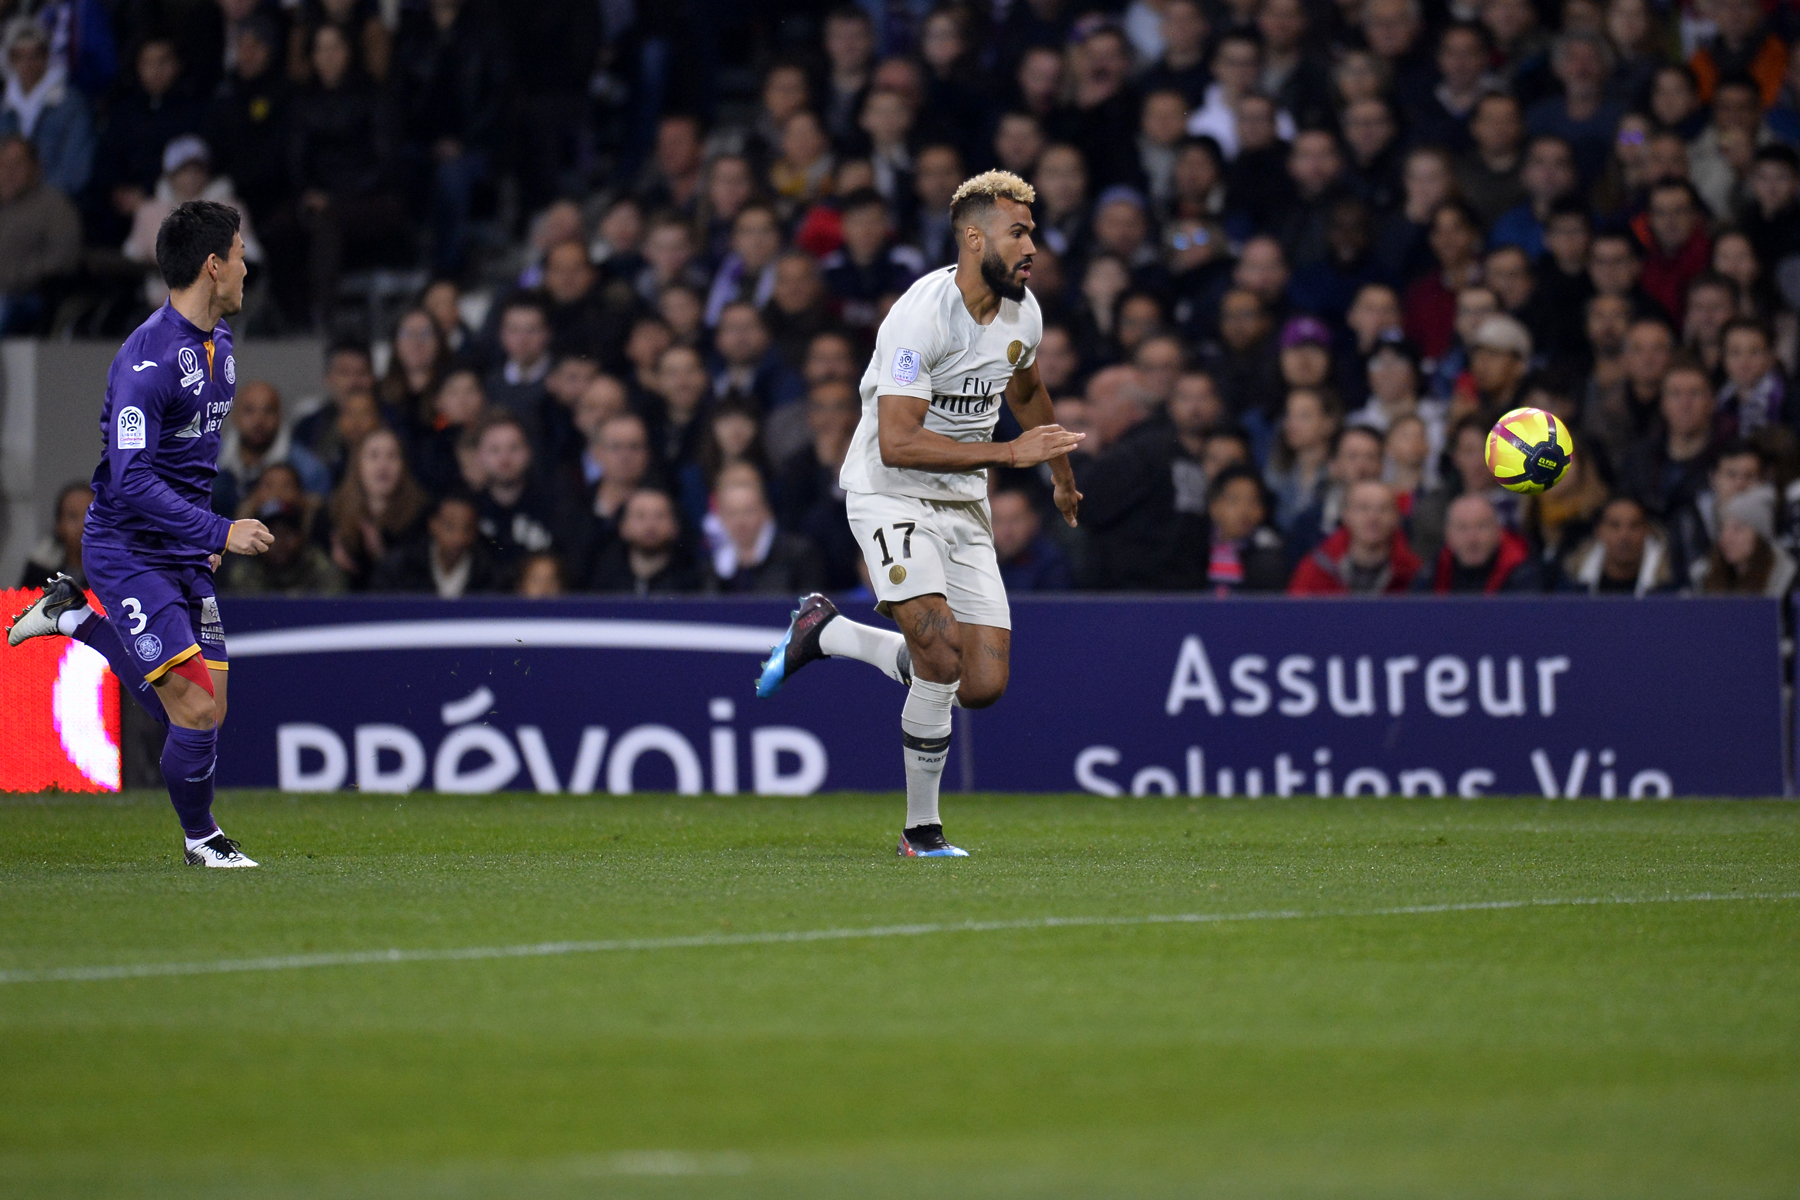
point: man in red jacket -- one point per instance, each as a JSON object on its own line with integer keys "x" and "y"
{"x": 1367, "y": 556}
{"x": 1480, "y": 556}
{"x": 1676, "y": 248}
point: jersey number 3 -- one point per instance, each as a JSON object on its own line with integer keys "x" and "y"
{"x": 134, "y": 612}
{"x": 887, "y": 555}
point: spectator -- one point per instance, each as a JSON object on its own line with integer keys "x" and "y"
{"x": 1236, "y": 71}
{"x": 747, "y": 365}
{"x": 1498, "y": 362}
{"x": 1770, "y": 216}
{"x": 256, "y": 439}
{"x": 456, "y": 406}
{"x": 849, "y": 45}
{"x": 1616, "y": 421}
{"x": 1430, "y": 301}
{"x": 1583, "y": 116}
{"x": 1480, "y": 556}
{"x": 293, "y": 565}
{"x": 937, "y": 172}
{"x": 1182, "y": 64}
{"x": 416, "y": 367}
{"x": 540, "y": 577}
{"x": 449, "y": 80}
{"x": 1030, "y": 560}
{"x": 649, "y": 557}
{"x": 1755, "y": 394}
{"x": 450, "y": 561}
{"x": 340, "y": 170}
{"x": 246, "y": 122}
{"x": 809, "y": 500}
{"x": 750, "y": 553}
{"x": 1356, "y": 457}
{"x": 515, "y": 513}
{"x": 1676, "y": 248}
{"x": 150, "y": 114}
{"x": 1442, "y": 117}
{"x": 1549, "y": 174}
{"x": 517, "y": 384}
{"x": 1745, "y": 558}
{"x": 798, "y": 308}
{"x": 1240, "y": 553}
{"x": 1625, "y": 557}
{"x": 1488, "y": 175}
{"x": 1669, "y": 467}
{"x": 42, "y": 107}
{"x": 748, "y": 272}
{"x": 1367, "y": 556}
{"x": 61, "y": 552}
{"x": 1741, "y": 44}
{"x": 1298, "y": 462}
{"x": 378, "y": 506}
{"x": 187, "y": 175}
{"x": 40, "y": 236}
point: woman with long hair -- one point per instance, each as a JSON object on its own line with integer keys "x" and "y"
{"x": 415, "y": 368}
{"x": 1745, "y": 559}
{"x": 377, "y": 507}
{"x": 1301, "y": 454}
{"x": 456, "y": 404}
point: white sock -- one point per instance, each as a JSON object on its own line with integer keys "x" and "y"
{"x": 195, "y": 843}
{"x": 70, "y": 619}
{"x": 880, "y": 648}
{"x": 925, "y": 730}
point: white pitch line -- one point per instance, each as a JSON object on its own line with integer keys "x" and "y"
{"x": 357, "y": 958}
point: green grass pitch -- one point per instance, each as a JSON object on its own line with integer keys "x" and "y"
{"x": 1318, "y": 1044}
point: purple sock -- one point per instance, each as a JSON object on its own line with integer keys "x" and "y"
{"x": 188, "y": 758}
{"x": 96, "y": 632}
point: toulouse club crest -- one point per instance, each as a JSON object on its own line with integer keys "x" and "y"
{"x": 149, "y": 647}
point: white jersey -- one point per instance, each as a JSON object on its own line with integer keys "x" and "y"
{"x": 930, "y": 347}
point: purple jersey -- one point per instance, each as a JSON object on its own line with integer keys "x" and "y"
{"x": 167, "y": 394}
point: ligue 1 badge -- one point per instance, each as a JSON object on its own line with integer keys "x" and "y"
{"x": 231, "y": 369}
{"x": 906, "y": 365}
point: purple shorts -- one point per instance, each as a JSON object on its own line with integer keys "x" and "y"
{"x": 165, "y": 615}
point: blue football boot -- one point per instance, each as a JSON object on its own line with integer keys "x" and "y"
{"x": 798, "y": 646}
{"x": 927, "y": 841}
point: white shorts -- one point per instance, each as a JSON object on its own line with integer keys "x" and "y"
{"x": 923, "y": 547}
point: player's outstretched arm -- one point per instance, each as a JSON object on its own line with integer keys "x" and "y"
{"x": 905, "y": 442}
{"x": 1030, "y": 401}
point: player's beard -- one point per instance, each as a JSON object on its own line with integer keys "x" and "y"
{"x": 995, "y": 274}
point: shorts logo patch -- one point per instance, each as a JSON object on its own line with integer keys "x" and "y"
{"x": 906, "y": 365}
{"x": 896, "y": 574}
{"x": 1012, "y": 353}
{"x": 231, "y": 369}
{"x": 131, "y": 429}
{"x": 209, "y": 610}
{"x": 149, "y": 647}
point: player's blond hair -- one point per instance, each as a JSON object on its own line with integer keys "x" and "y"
{"x": 979, "y": 193}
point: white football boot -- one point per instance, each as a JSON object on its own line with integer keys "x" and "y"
{"x": 217, "y": 851}
{"x": 60, "y": 595}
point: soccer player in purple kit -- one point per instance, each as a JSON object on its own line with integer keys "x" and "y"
{"x": 151, "y": 542}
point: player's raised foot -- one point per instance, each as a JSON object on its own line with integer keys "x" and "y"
{"x": 927, "y": 841}
{"x": 39, "y": 620}
{"x": 798, "y": 646}
{"x": 217, "y": 851}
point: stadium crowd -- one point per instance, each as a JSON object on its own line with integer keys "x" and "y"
{"x": 1294, "y": 257}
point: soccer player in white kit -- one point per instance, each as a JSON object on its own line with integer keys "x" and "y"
{"x": 916, "y": 485}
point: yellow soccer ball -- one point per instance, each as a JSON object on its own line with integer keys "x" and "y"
{"x": 1528, "y": 450}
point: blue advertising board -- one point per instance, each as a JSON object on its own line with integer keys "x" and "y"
{"x": 1557, "y": 697}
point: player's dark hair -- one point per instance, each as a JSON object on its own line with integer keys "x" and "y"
{"x": 190, "y": 235}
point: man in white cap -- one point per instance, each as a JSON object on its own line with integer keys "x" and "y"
{"x": 186, "y": 175}
{"x": 1499, "y": 357}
